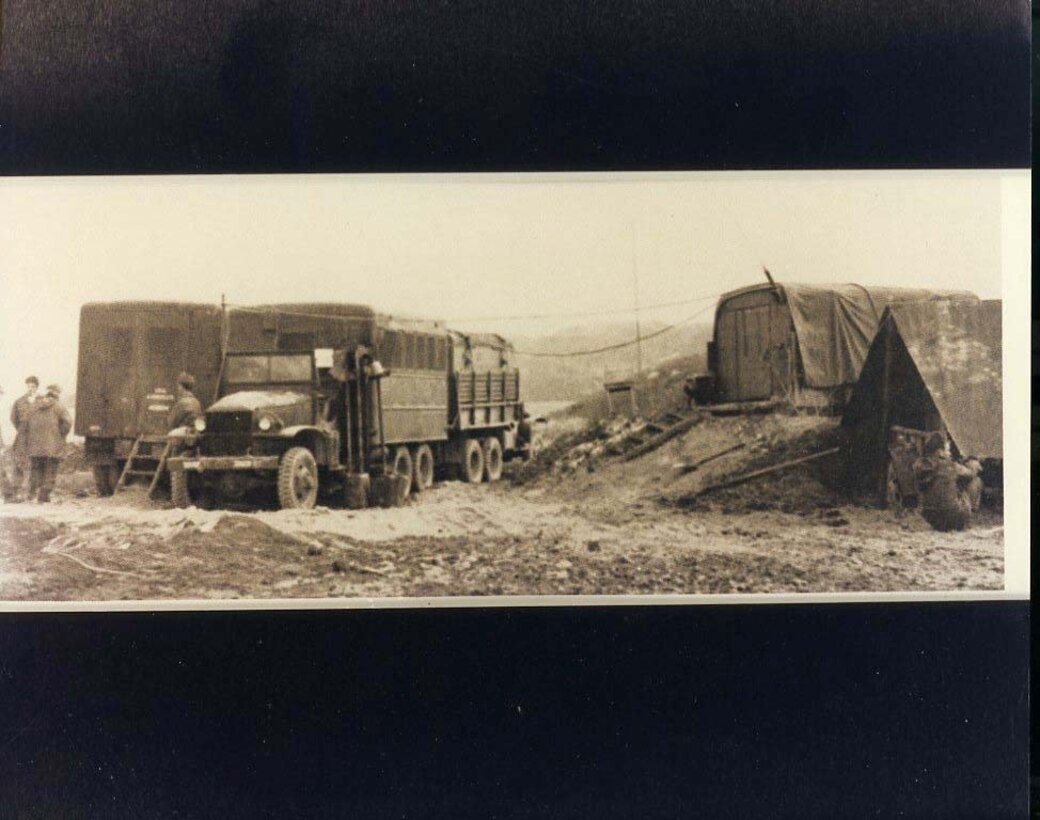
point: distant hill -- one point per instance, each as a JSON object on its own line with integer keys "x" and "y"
{"x": 571, "y": 378}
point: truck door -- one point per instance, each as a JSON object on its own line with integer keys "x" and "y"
{"x": 164, "y": 354}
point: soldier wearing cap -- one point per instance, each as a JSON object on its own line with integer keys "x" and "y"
{"x": 950, "y": 492}
{"x": 20, "y": 411}
{"x": 186, "y": 408}
{"x": 47, "y": 426}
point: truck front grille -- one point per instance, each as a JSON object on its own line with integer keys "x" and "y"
{"x": 228, "y": 433}
{"x": 235, "y": 444}
{"x": 229, "y": 421}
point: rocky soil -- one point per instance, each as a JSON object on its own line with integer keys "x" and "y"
{"x": 579, "y": 524}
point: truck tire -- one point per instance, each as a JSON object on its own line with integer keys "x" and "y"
{"x": 297, "y": 480}
{"x": 422, "y": 460}
{"x": 403, "y": 466}
{"x": 492, "y": 458}
{"x": 105, "y": 479}
{"x": 472, "y": 461}
{"x": 179, "y": 495}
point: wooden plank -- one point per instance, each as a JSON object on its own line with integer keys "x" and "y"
{"x": 689, "y": 468}
{"x": 736, "y": 408}
{"x": 733, "y": 482}
{"x": 661, "y": 438}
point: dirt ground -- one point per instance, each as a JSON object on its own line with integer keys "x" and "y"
{"x": 608, "y": 527}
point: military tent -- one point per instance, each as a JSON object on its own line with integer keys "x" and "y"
{"x": 931, "y": 366}
{"x": 802, "y": 343}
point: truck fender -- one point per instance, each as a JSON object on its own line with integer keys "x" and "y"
{"x": 314, "y": 437}
{"x": 296, "y": 429}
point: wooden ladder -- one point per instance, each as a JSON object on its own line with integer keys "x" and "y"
{"x": 132, "y": 468}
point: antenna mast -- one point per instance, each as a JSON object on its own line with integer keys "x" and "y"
{"x": 635, "y": 286}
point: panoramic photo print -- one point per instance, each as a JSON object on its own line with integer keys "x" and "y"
{"x": 384, "y": 387}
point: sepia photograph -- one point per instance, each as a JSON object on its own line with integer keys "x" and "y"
{"x": 518, "y": 410}
{"x": 393, "y": 387}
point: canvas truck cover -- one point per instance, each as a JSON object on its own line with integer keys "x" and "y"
{"x": 956, "y": 348}
{"x": 835, "y": 324}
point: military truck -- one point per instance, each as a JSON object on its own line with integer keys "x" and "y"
{"x": 434, "y": 401}
{"x": 372, "y": 407}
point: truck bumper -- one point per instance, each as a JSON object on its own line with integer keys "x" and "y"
{"x": 202, "y": 464}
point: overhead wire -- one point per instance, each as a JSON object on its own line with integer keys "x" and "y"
{"x": 507, "y": 318}
{"x": 616, "y": 346}
{"x": 541, "y": 355}
{"x": 584, "y": 314}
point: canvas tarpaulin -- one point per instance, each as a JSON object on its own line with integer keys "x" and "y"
{"x": 835, "y": 325}
{"x": 956, "y": 348}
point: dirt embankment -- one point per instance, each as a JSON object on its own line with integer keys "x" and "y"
{"x": 602, "y": 526}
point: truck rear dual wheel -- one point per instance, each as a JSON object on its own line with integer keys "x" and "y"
{"x": 472, "y": 461}
{"x": 402, "y": 466}
{"x": 422, "y": 468}
{"x": 492, "y": 458}
{"x": 297, "y": 479}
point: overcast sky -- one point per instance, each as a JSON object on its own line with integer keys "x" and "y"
{"x": 472, "y": 246}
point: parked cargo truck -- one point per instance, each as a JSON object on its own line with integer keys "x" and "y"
{"x": 309, "y": 396}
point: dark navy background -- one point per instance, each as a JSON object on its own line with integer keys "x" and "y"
{"x": 726, "y": 711}
{"x": 103, "y": 86}
{"x": 850, "y": 710}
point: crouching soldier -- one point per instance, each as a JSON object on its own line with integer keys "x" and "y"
{"x": 46, "y": 427}
{"x": 950, "y": 492}
{"x": 186, "y": 408}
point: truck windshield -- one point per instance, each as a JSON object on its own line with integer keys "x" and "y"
{"x": 268, "y": 369}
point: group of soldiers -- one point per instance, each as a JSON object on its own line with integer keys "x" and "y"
{"x": 41, "y": 425}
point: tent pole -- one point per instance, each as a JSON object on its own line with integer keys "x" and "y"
{"x": 885, "y": 390}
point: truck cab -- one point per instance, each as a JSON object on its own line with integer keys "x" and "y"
{"x": 278, "y": 416}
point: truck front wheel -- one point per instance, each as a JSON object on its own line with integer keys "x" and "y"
{"x": 297, "y": 480}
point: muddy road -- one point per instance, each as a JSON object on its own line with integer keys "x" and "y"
{"x": 576, "y": 537}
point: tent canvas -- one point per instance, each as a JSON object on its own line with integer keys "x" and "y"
{"x": 955, "y": 354}
{"x": 835, "y": 325}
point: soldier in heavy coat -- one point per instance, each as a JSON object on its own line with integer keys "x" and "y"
{"x": 950, "y": 492}
{"x": 45, "y": 431}
{"x": 186, "y": 408}
{"x": 20, "y": 411}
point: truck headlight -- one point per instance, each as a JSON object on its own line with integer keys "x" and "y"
{"x": 264, "y": 424}
{"x": 200, "y": 424}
